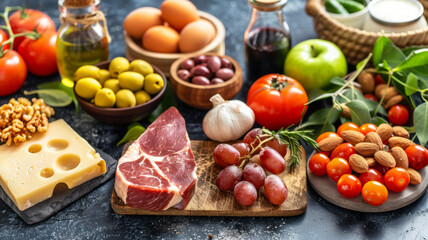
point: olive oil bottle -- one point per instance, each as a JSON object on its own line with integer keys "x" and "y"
{"x": 82, "y": 39}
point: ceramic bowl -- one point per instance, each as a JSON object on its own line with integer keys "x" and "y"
{"x": 355, "y": 20}
{"x": 123, "y": 115}
{"x": 198, "y": 96}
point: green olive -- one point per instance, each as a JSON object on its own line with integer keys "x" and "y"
{"x": 118, "y": 65}
{"x": 131, "y": 80}
{"x": 104, "y": 76}
{"x": 87, "y": 71}
{"x": 87, "y": 88}
{"x": 112, "y": 84}
{"x": 141, "y": 66}
{"x": 142, "y": 97}
{"x": 153, "y": 83}
{"x": 125, "y": 98}
{"x": 105, "y": 97}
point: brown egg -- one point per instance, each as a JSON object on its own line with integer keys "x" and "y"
{"x": 141, "y": 19}
{"x": 179, "y": 13}
{"x": 196, "y": 35}
{"x": 161, "y": 39}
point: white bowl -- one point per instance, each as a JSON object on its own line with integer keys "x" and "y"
{"x": 355, "y": 20}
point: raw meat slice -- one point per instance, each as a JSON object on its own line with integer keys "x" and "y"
{"x": 158, "y": 171}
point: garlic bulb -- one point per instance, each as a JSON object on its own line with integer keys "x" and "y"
{"x": 228, "y": 120}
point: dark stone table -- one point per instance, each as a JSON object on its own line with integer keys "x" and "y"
{"x": 92, "y": 217}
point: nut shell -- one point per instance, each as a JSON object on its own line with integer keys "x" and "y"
{"x": 366, "y": 149}
{"x": 373, "y": 137}
{"x": 400, "y": 157}
{"x": 385, "y": 159}
{"x": 400, "y": 142}
{"x": 352, "y": 136}
{"x": 367, "y": 82}
{"x": 330, "y": 143}
{"x": 385, "y": 131}
{"x": 358, "y": 163}
{"x": 415, "y": 176}
{"x": 398, "y": 131}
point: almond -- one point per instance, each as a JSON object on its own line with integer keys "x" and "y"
{"x": 373, "y": 137}
{"x": 330, "y": 143}
{"x": 384, "y": 159}
{"x": 366, "y": 149}
{"x": 358, "y": 163}
{"x": 370, "y": 161}
{"x": 353, "y": 137}
{"x": 379, "y": 90}
{"x": 400, "y": 142}
{"x": 393, "y": 101}
{"x": 385, "y": 131}
{"x": 390, "y": 92}
{"x": 367, "y": 82}
{"x": 398, "y": 131}
{"x": 346, "y": 112}
{"x": 400, "y": 157}
{"x": 415, "y": 177}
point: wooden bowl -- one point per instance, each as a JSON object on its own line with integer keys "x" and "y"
{"x": 198, "y": 96}
{"x": 123, "y": 115}
{"x": 164, "y": 60}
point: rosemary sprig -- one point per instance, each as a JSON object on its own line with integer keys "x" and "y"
{"x": 292, "y": 138}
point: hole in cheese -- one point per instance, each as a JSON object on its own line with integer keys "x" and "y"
{"x": 47, "y": 172}
{"x": 35, "y": 148}
{"x": 68, "y": 161}
{"x": 60, "y": 187}
{"x": 57, "y": 144}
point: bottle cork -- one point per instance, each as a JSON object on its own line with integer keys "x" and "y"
{"x": 78, "y": 3}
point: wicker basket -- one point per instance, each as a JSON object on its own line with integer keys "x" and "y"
{"x": 356, "y": 44}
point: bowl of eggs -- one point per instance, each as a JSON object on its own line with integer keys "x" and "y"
{"x": 198, "y": 77}
{"x": 119, "y": 91}
{"x": 177, "y": 29}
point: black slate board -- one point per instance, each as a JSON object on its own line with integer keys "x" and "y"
{"x": 62, "y": 198}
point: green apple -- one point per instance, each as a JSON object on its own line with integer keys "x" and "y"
{"x": 314, "y": 62}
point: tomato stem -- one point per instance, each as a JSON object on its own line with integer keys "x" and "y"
{"x": 279, "y": 86}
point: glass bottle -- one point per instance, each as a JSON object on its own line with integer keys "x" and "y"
{"x": 82, "y": 38}
{"x": 267, "y": 39}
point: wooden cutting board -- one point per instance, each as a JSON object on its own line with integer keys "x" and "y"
{"x": 208, "y": 200}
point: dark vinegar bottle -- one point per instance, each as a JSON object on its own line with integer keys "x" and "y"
{"x": 267, "y": 39}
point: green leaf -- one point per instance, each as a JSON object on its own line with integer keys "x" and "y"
{"x": 52, "y": 97}
{"x": 351, "y": 94}
{"x": 337, "y": 81}
{"x": 385, "y": 49}
{"x": 417, "y": 58}
{"x": 344, "y": 120}
{"x": 412, "y": 81}
{"x": 420, "y": 118}
{"x": 325, "y": 114}
{"x": 320, "y": 97}
{"x": 133, "y": 133}
{"x": 376, "y": 120}
{"x": 319, "y": 129}
{"x": 167, "y": 102}
{"x": 360, "y": 113}
{"x": 59, "y": 85}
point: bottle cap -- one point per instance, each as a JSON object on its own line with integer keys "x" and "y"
{"x": 267, "y": 5}
{"x": 78, "y": 3}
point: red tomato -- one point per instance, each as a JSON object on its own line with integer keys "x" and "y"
{"x": 318, "y": 164}
{"x": 349, "y": 186}
{"x": 28, "y": 21}
{"x": 371, "y": 175}
{"x": 3, "y": 38}
{"x": 344, "y": 150}
{"x": 337, "y": 167}
{"x": 277, "y": 101}
{"x": 367, "y": 127}
{"x": 396, "y": 179}
{"x": 40, "y": 54}
{"x": 382, "y": 169}
{"x": 370, "y": 97}
{"x": 347, "y": 126}
{"x": 398, "y": 114}
{"x": 418, "y": 156}
{"x": 374, "y": 193}
{"x": 13, "y": 72}
{"x": 379, "y": 79}
{"x": 326, "y": 135}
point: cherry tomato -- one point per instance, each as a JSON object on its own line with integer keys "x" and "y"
{"x": 371, "y": 97}
{"x": 379, "y": 79}
{"x": 13, "y": 72}
{"x": 382, "y": 169}
{"x": 3, "y": 38}
{"x": 277, "y": 101}
{"x": 398, "y": 114}
{"x": 344, "y": 150}
{"x": 40, "y": 54}
{"x": 318, "y": 164}
{"x": 374, "y": 193}
{"x": 367, "y": 127}
{"x": 27, "y": 21}
{"x": 347, "y": 126}
{"x": 326, "y": 135}
{"x": 349, "y": 186}
{"x": 371, "y": 175}
{"x": 418, "y": 156}
{"x": 337, "y": 167}
{"x": 396, "y": 179}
